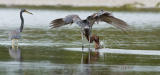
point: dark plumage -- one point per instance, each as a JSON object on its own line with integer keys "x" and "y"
{"x": 108, "y": 18}
{"x": 89, "y": 22}
{"x": 96, "y": 17}
{"x": 93, "y": 38}
{"x": 57, "y": 23}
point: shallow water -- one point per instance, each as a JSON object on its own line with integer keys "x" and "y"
{"x": 42, "y": 50}
{"x": 119, "y": 51}
{"x": 51, "y": 60}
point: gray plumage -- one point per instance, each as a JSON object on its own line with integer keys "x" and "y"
{"x": 90, "y": 20}
{"x": 69, "y": 20}
{"x": 16, "y": 34}
{"x": 108, "y": 18}
{"x": 64, "y": 21}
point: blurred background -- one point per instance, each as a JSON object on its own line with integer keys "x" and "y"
{"x": 83, "y": 4}
{"x": 46, "y": 51}
{"x": 109, "y": 3}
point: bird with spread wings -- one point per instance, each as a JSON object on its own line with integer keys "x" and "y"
{"x": 87, "y": 23}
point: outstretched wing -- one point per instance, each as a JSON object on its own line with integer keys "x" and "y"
{"x": 64, "y": 21}
{"x": 113, "y": 21}
{"x": 108, "y": 18}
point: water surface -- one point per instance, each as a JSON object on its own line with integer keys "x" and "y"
{"x": 42, "y": 50}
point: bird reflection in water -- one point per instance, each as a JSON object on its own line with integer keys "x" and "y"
{"x": 91, "y": 57}
{"x": 15, "y": 53}
{"x": 86, "y": 59}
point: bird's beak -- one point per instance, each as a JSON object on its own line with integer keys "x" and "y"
{"x": 28, "y": 12}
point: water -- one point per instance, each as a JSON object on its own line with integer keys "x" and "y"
{"x": 119, "y": 51}
{"x": 50, "y": 60}
{"x": 45, "y": 51}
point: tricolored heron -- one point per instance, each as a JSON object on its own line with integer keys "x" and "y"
{"x": 89, "y": 21}
{"x": 16, "y": 34}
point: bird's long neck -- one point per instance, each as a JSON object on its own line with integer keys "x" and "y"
{"x": 22, "y": 21}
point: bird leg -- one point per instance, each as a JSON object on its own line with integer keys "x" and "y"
{"x": 17, "y": 43}
{"x": 13, "y": 42}
{"x": 82, "y": 38}
{"x": 89, "y": 56}
{"x": 90, "y": 33}
{"x": 82, "y": 62}
{"x": 82, "y": 58}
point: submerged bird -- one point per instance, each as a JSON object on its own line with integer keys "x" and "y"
{"x": 15, "y": 34}
{"x": 89, "y": 22}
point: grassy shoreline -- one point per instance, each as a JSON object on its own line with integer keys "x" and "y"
{"x": 129, "y": 8}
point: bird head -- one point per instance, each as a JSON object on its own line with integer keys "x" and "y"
{"x": 24, "y": 10}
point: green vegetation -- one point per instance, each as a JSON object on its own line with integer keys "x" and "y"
{"x": 126, "y": 7}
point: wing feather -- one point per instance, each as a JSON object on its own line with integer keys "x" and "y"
{"x": 57, "y": 23}
{"x": 114, "y": 21}
{"x": 64, "y": 21}
{"x": 108, "y": 18}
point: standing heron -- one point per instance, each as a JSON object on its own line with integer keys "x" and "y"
{"x": 89, "y": 22}
{"x": 16, "y": 34}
